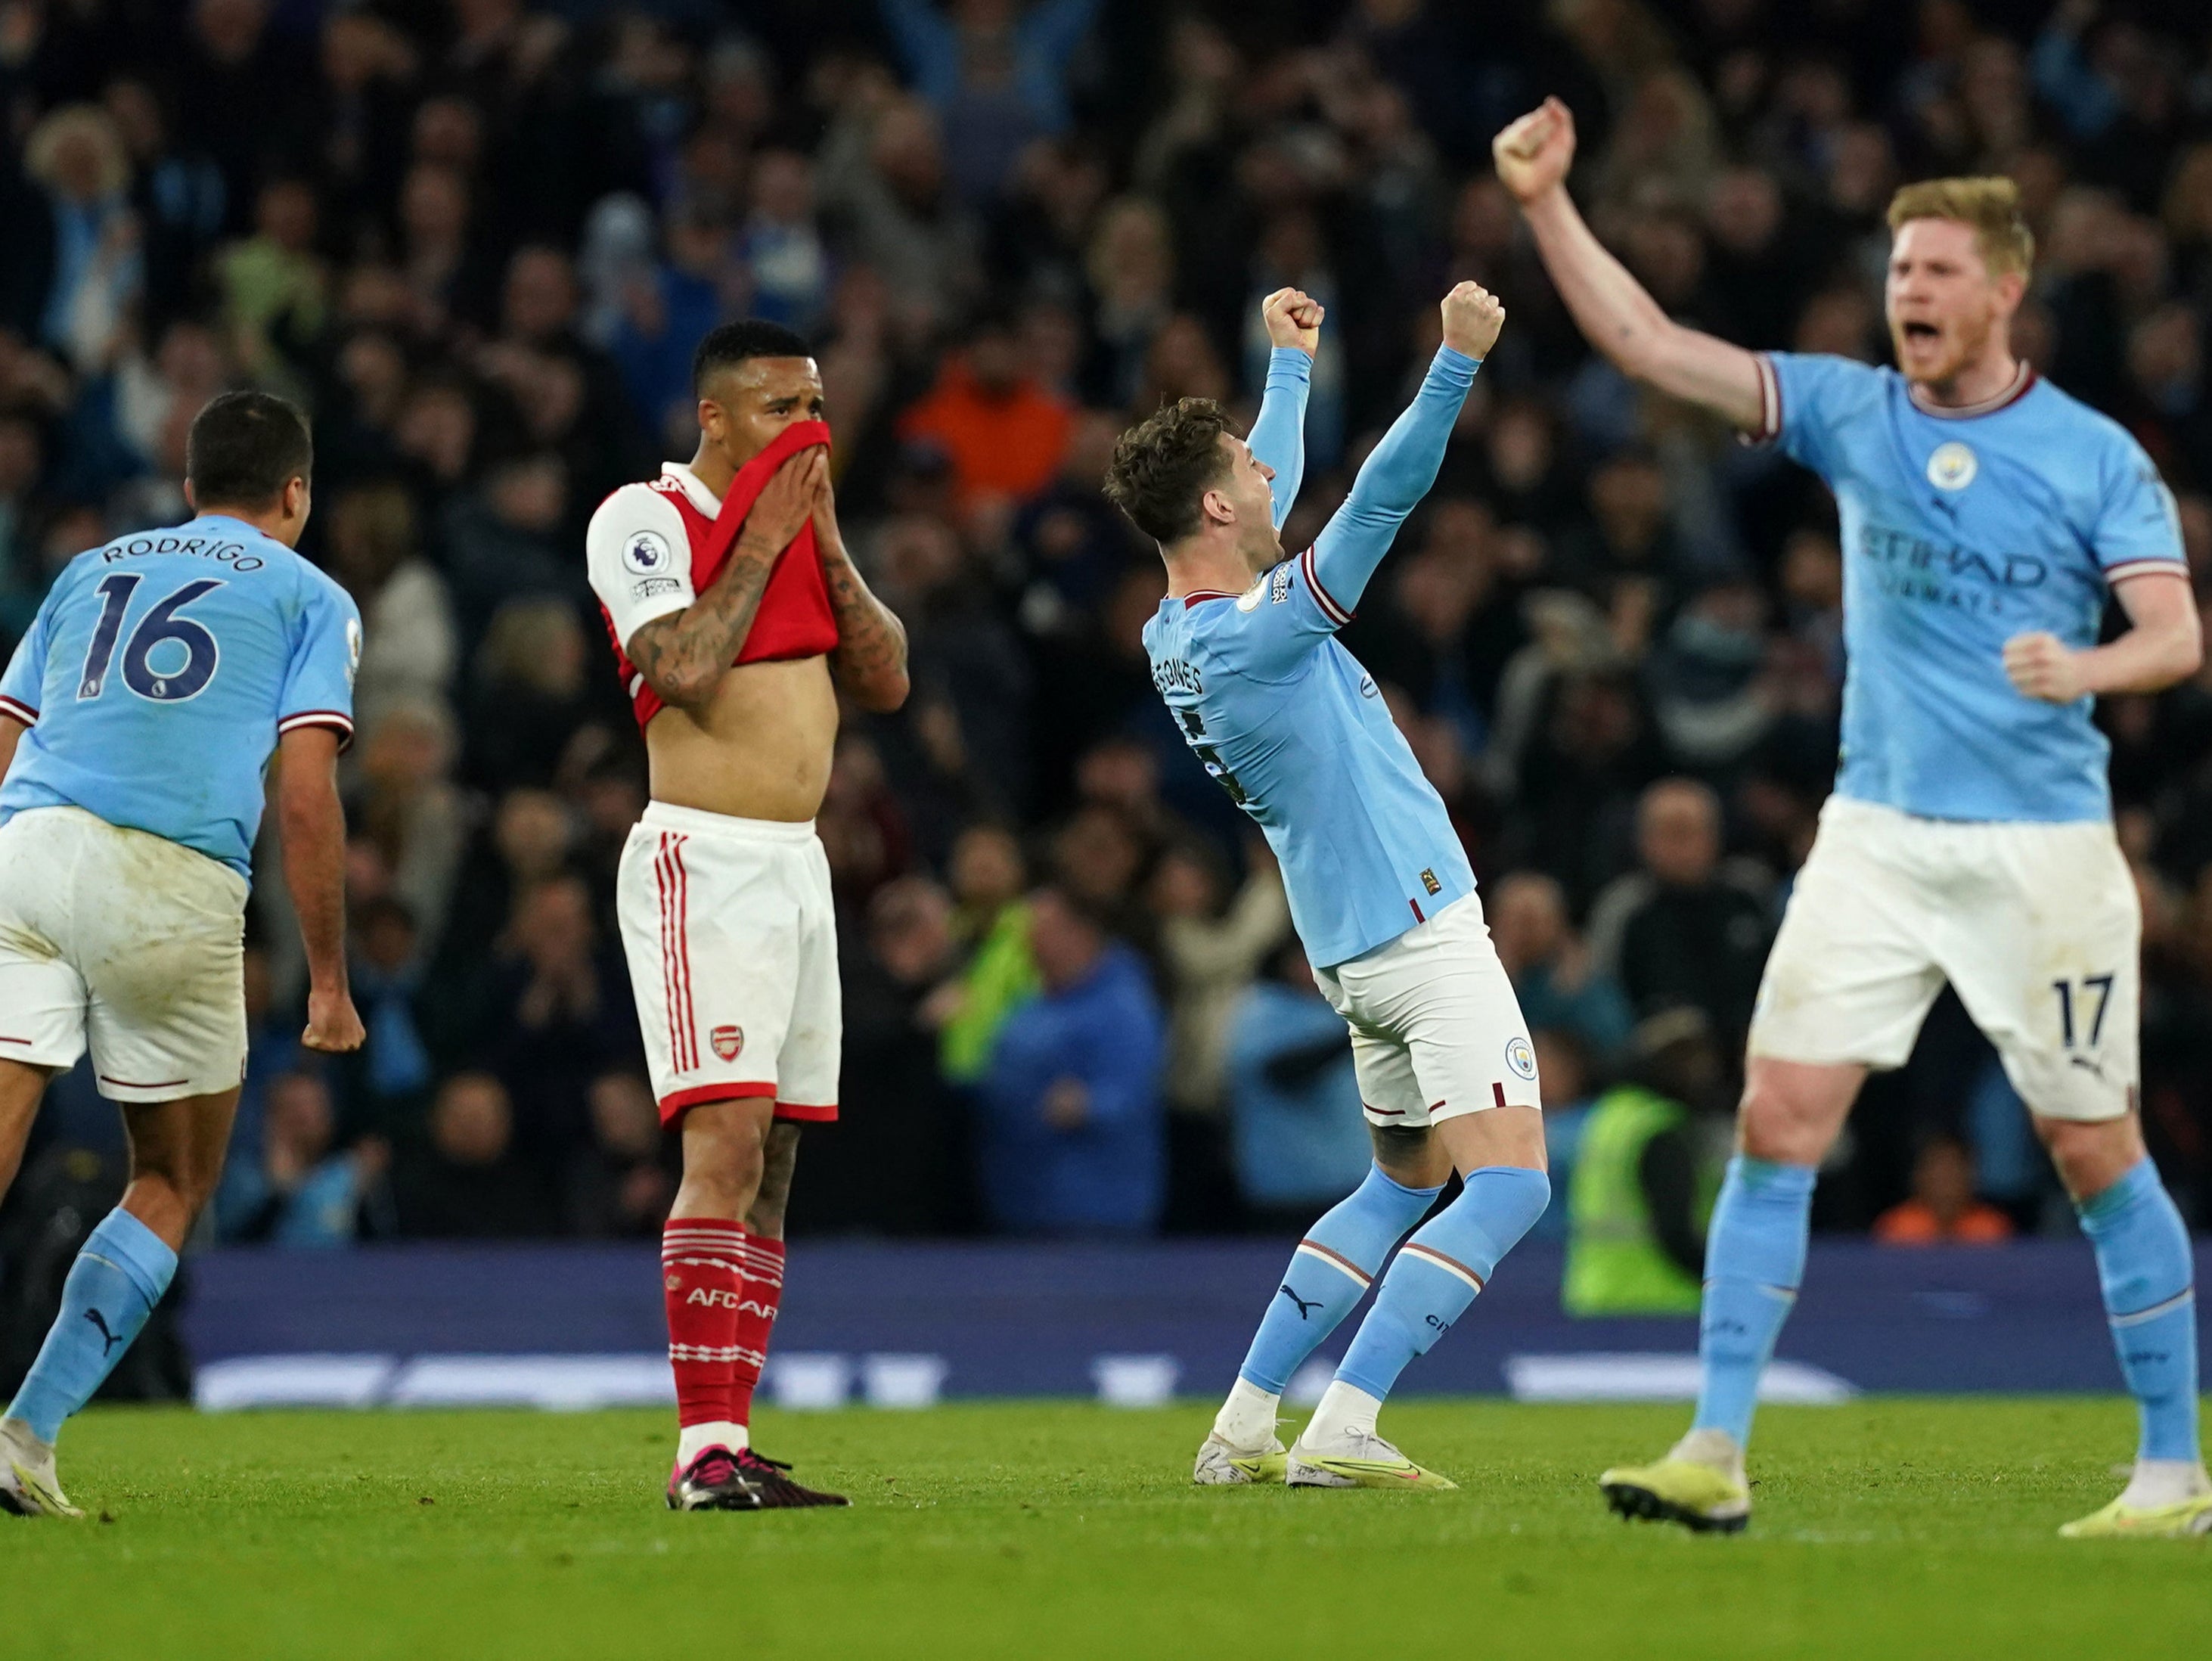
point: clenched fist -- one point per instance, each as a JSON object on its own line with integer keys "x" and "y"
{"x": 2041, "y": 666}
{"x": 1473, "y": 317}
{"x": 1293, "y": 318}
{"x": 1534, "y": 153}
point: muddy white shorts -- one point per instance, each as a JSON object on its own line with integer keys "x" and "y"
{"x": 1436, "y": 1030}
{"x": 731, "y": 938}
{"x": 125, "y": 942}
{"x": 2036, "y": 926}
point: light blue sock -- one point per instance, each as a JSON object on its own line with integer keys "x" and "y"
{"x": 1433, "y": 1280}
{"x": 1329, "y": 1272}
{"x": 2145, "y": 1266}
{"x": 1755, "y": 1260}
{"x": 118, "y": 1278}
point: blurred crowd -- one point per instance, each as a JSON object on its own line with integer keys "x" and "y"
{"x": 478, "y": 239}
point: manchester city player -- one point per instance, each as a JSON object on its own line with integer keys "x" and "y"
{"x": 1243, "y": 649}
{"x": 1986, "y": 518}
{"x": 136, "y": 719}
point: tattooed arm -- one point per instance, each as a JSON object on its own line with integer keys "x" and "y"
{"x": 870, "y": 662}
{"x": 684, "y": 655}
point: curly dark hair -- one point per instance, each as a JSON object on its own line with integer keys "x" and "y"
{"x": 1163, "y": 465}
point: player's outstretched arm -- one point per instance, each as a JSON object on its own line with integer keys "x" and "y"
{"x": 2164, "y": 643}
{"x": 870, "y": 662}
{"x": 684, "y": 655}
{"x": 312, "y": 822}
{"x": 1279, "y": 434}
{"x": 1399, "y": 471}
{"x": 1611, "y": 308}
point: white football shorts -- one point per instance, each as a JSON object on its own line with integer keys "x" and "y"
{"x": 2038, "y": 926}
{"x": 126, "y": 942}
{"x": 731, "y": 938}
{"x": 1436, "y": 1030}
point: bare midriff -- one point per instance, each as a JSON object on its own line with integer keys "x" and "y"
{"x": 758, "y": 750}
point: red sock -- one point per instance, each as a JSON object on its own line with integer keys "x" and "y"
{"x": 702, "y": 1272}
{"x": 763, "y": 1260}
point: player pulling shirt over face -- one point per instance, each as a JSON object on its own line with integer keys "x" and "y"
{"x": 1243, "y": 650}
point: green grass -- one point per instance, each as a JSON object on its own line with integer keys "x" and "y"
{"x": 1889, "y": 1528}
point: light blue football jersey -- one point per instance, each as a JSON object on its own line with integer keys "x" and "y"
{"x": 1286, "y": 720}
{"x": 1960, "y": 530}
{"x": 159, "y": 673}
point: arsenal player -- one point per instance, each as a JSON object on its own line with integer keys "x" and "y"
{"x": 736, "y": 616}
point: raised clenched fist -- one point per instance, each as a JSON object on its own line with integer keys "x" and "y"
{"x": 1473, "y": 317}
{"x": 1293, "y": 318}
{"x": 1534, "y": 153}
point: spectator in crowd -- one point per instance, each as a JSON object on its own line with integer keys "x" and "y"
{"x": 554, "y": 1012}
{"x": 462, "y": 1181}
{"x": 1211, "y": 944}
{"x": 1686, "y": 929}
{"x": 1942, "y": 1208}
{"x": 1554, "y": 976}
{"x": 74, "y": 269}
{"x": 898, "y": 1160}
{"x": 409, "y": 650}
{"x": 991, "y": 922}
{"x": 1071, "y": 1129}
{"x": 1646, "y": 1171}
{"x": 301, "y": 1190}
{"x": 1297, "y": 1132}
{"x": 619, "y": 1185}
{"x": 1003, "y": 434}
{"x": 406, "y": 814}
{"x": 385, "y": 1084}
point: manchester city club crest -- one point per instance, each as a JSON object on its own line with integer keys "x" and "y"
{"x": 1520, "y": 1058}
{"x": 1951, "y": 467}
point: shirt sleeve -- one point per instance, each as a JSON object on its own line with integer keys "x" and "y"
{"x": 1802, "y": 399}
{"x": 639, "y": 559}
{"x": 21, "y": 688}
{"x": 319, "y": 681}
{"x": 1391, "y": 483}
{"x": 1279, "y": 434}
{"x": 2138, "y": 527}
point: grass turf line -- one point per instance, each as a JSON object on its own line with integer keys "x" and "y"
{"x": 1898, "y": 1527}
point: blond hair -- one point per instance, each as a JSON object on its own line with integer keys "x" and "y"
{"x": 1991, "y": 206}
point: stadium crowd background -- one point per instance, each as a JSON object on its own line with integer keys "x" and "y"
{"x": 478, "y": 239}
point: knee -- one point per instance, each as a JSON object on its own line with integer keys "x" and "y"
{"x": 2091, "y": 1155}
{"x": 722, "y": 1174}
{"x": 1778, "y": 1125}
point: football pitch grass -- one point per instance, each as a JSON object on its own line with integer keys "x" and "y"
{"x": 1898, "y": 1527}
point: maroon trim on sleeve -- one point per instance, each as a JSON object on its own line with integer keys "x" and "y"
{"x": 337, "y": 720}
{"x": 1329, "y": 609}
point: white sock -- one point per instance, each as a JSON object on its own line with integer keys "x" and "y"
{"x": 693, "y": 1441}
{"x": 1346, "y": 1411}
{"x": 1715, "y": 1448}
{"x": 1247, "y": 1419}
{"x": 2165, "y": 1482}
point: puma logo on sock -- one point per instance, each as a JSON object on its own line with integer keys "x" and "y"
{"x": 1304, "y": 1306}
{"x": 100, "y": 1321}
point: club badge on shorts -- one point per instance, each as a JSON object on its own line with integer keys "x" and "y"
{"x": 1951, "y": 467}
{"x": 1519, "y": 1057}
{"x": 728, "y": 1041}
